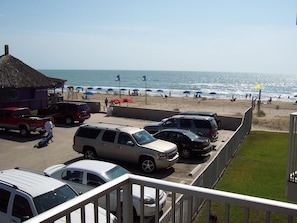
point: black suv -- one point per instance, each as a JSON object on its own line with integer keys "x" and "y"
{"x": 203, "y": 113}
{"x": 67, "y": 112}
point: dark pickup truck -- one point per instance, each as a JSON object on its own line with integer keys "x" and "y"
{"x": 21, "y": 119}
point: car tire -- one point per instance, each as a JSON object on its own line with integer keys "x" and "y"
{"x": 147, "y": 164}
{"x": 185, "y": 153}
{"x": 69, "y": 121}
{"x": 24, "y": 131}
{"x": 90, "y": 154}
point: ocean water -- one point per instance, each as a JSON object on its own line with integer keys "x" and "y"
{"x": 180, "y": 83}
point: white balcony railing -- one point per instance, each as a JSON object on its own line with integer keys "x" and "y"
{"x": 179, "y": 211}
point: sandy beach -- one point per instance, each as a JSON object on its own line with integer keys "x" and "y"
{"x": 276, "y": 116}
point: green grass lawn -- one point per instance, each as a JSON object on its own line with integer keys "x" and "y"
{"x": 258, "y": 169}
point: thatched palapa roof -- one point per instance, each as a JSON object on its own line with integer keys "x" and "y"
{"x": 16, "y": 74}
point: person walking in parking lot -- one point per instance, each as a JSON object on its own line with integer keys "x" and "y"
{"x": 49, "y": 129}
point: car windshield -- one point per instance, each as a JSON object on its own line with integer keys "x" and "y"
{"x": 53, "y": 198}
{"x": 191, "y": 135}
{"x": 115, "y": 173}
{"x": 143, "y": 137}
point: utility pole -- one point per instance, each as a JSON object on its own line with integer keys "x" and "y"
{"x": 144, "y": 79}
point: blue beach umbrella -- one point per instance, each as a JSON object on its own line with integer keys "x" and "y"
{"x": 99, "y": 88}
{"x": 79, "y": 88}
{"x": 135, "y": 89}
{"x": 89, "y": 93}
{"x": 148, "y": 90}
{"x": 109, "y": 89}
{"x": 90, "y": 88}
{"x": 199, "y": 92}
{"x": 187, "y": 92}
{"x": 160, "y": 91}
{"x": 212, "y": 93}
{"x": 123, "y": 89}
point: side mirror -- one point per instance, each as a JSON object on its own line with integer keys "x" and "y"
{"x": 130, "y": 143}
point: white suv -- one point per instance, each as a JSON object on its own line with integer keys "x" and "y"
{"x": 125, "y": 143}
{"x": 25, "y": 194}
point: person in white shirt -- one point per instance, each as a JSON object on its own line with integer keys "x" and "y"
{"x": 49, "y": 129}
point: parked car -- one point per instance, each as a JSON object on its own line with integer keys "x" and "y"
{"x": 25, "y": 194}
{"x": 125, "y": 143}
{"x": 200, "y": 125}
{"x": 20, "y": 118}
{"x": 203, "y": 113}
{"x": 85, "y": 175}
{"x": 67, "y": 111}
{"x": 188, "y": 143}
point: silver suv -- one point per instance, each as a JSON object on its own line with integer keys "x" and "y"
{"x": 200, "y": 125}
{"x": 25, "y": 194}
{"x": 126, "y": 143}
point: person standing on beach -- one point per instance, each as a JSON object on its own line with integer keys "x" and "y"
{"x": 106, "y": 102}
{"x": 49, "y": 129}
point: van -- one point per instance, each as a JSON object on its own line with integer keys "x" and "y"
{"x": 124, "y": 143}
{"x": 201, "y": 125}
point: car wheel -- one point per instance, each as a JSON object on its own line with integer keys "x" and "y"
{"x": 69, "y": 121}
{"x": 185, "y": 153}
{"x": 147, "y": 164}
{"x": 90, "y": 154}
{"x": 24, "y": 131}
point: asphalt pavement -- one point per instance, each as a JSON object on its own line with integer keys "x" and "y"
{"x": 16, "y": 151}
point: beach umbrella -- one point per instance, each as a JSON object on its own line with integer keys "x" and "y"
{"x": 79, "y": 88}
{"x": 99, "y": 88}
{"x": 148, "y": 90}
{"x": 199, "y": 92}
{"x": 213, "y": 93}
{"x": 90, "y": 88}
{"x": 123, "y": 89}
{"x": 187, "y": 92}
{"x": 89, "y": 93}
{"x": 109, "y": 89}
{"x": 128, "y": 100}
{"x": 135, "y": 89}
{"x": 160, "y": 91}
{"x": 116, "y": 101}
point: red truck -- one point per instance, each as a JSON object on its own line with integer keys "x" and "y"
{"x": 21, "y": 119}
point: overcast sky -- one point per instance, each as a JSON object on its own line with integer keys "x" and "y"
{"x": 196, "y": 35}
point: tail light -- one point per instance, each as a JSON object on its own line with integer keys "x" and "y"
{"x": 211, "y": 132}
{"x": 78, "y": 114}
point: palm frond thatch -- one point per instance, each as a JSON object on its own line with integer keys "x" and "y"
{"x": 16, "y": 74}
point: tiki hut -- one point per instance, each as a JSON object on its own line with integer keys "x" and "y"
{"x": 23, "y": 86}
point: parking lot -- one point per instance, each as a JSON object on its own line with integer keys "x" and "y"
{"x": 20, "y": 152}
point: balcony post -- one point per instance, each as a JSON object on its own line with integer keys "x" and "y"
{"x": 127, "y": 212}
